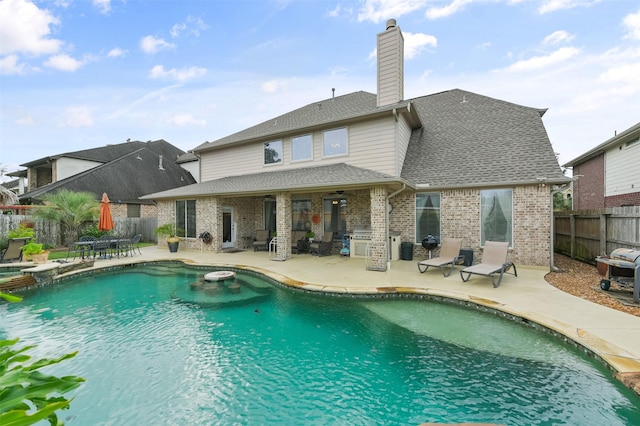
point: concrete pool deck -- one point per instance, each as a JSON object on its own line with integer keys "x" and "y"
{"x": 612, "y": 335}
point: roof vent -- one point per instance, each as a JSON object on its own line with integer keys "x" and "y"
{"x": 160, "y": 163}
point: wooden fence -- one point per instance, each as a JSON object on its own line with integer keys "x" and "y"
{"x": 585, "y": 234}
{"x": 48, "y": 232}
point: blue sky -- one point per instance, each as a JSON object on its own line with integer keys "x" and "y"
{"x": 83, "y": 74}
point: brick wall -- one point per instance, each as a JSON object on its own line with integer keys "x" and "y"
{"x": 588, "y": 189}
{"x": 460, "y": 218}
{"x": 630, "y": 199}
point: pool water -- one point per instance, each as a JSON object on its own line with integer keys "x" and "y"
{"x": 155, "y": 349}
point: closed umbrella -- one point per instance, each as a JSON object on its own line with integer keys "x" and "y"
{"x": 105, "y": 223}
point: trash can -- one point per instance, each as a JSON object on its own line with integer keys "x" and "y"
{"x": 468, "y": 256}
{"x": 406, "y": 251}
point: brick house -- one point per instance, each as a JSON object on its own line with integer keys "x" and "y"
{"x": 450, "y": 164}
{"x": 608, "y": 175}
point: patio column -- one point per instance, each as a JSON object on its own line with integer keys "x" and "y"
{"x": 210, "y": 220}
{"x": 378, "y": 259}
{"x": 283, "y": 224}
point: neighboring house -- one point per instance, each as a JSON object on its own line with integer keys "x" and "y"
{"x": 608, "y": 175}
{"x": 124, "y": 171}
{"x": 451, "y": 164}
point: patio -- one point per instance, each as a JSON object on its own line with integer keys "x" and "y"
{"x": 612, "y": 335}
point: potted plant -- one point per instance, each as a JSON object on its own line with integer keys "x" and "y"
{"x": 169, "y": 229}
{"x": 35, "y": 252}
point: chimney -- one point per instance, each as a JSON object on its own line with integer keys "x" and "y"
{"x": 390, "y": 65}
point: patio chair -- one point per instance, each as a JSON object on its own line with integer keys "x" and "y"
{"x": 102, "y": 247}
{"x": 135, "y": 243}
{"x": 448, "y": 258}
{"x": 13, "y": 252}
{"x": 494, "y": 263}
{"x": 322, "y": 247}
{"x": 261, "y": 241}
{"x": 299, "y": 242}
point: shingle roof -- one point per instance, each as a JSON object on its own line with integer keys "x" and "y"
{"x": 105, "y": 154}
{"x": 332, "y": 110}
{"x": 126, "y": 178}
{"x": 473, "y": 140}
{"x": 335, "y": 175}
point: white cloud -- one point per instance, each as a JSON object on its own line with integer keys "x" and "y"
{"x": 24, "y": 28}
{"x": 540, "y": 62}
{"x": 416, "y": 43}
{"x": 548, "y": 6}
{"x": 380, "y": 10}
{"x": 178, "y": 75}
{"x": 631, "y": 23}
{"x": 9, "y": 65}
{"x": 558, "y": 37}
{"x": 79, "y": 116}
{"x": 448, "y": 10}
{"x": 103, "y": 5}
{"x": 151, "y": 44}
{"x": 116, "y": 53}
{"x": 26, "y": 121}
{"x": 193, "y": 25}
{"x": 184, "y": 120}
{"x": 335, "y": 12}
{"x": 63, "y": 62}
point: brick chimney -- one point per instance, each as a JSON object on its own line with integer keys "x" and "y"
{"x": 390, "y": 65}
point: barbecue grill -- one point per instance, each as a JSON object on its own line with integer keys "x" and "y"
{"x": 622, "y": 267}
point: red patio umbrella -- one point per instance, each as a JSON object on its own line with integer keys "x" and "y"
{"x": 105, "y": 223}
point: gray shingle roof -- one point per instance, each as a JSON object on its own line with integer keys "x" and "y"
{"x": 332, "y": 110}
{"x": 126, "y": 178}
{"x": 335, "y": 175}
{"x": 473, "y": 140}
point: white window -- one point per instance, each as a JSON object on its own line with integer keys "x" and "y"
{"x": 334, "y": 142}
{"x": 496, "y": 215}
{"x": 273, "y": 152}
{"x": 302, "y": 148}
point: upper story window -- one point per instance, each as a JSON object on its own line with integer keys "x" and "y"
{"x": 334, "y": 142}
{"x": 273, "y": 152}
{"x": 302, "y": 148}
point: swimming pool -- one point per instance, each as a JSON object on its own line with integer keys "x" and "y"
{"x": 156, "y": 351}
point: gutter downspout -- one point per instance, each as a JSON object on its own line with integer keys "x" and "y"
{"x": 386, "y": 221}
{"x": 552, "y": 265}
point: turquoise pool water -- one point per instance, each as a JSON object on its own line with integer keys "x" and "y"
{"x": 155, "y": 351}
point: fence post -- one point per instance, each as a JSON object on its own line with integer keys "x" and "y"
{"x": 572, "y": 226}
{"x": 603, "y": 234}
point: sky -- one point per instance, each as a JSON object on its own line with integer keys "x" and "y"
{"x": 80, "y": 74}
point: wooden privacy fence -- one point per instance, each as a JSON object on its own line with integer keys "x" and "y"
{"x": 585, "y": 234}
{"x": 48, "y": 232}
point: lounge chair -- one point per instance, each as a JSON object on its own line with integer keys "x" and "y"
{"x": 494, "y": 262}
{"x": 324, "y": 246}
{"x": 13, "y": 252}
{"x": 448, "y": 258}
{"x": 261, "y": 241}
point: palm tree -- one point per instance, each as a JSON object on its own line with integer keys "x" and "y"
{"x": 7, "y": 197}
{"x": 70, "y": 209}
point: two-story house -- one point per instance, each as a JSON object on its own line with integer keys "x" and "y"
{"x": 450, "y": 164}
{"x": 124, "y": 171}
{"x": 608, "y": 175}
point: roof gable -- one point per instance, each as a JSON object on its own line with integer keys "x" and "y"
{"x": 474, "y": 140}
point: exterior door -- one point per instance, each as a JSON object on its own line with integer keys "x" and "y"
{"x": 228, "y": 228}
